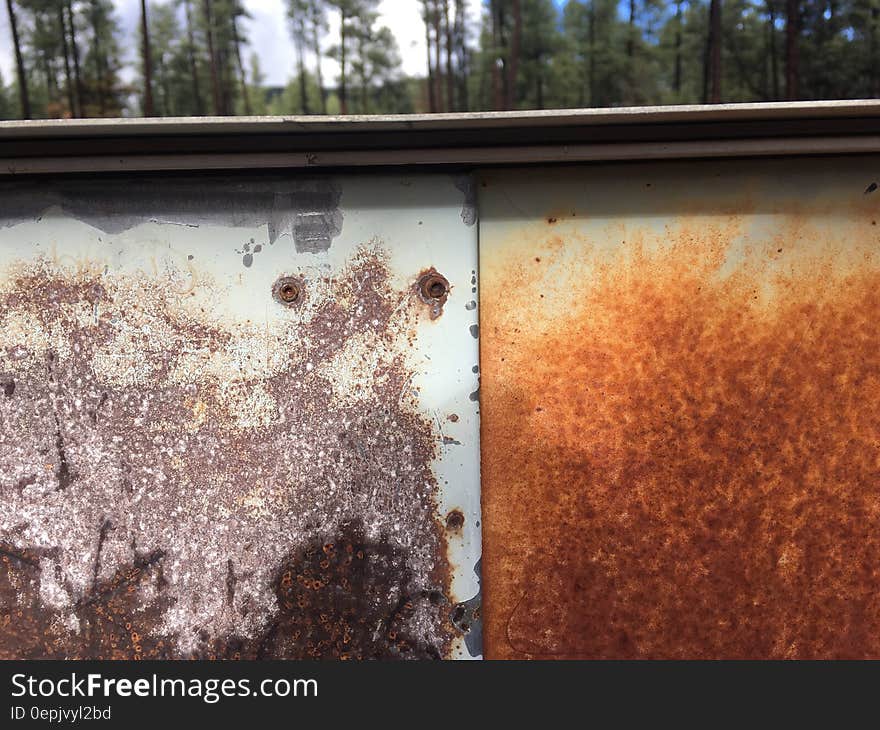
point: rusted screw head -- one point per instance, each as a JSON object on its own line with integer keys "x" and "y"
{"x": 433, "y": 286}
{"x": 287, "y": 290}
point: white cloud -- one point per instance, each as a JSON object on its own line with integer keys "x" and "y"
{"x": 268, "y": 36}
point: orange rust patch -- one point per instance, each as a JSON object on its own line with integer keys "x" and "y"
{"x": 681, "y": 443}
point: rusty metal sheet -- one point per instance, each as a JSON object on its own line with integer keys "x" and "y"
{"x": 681, "y": 440}
{"x": 238, "y": 418}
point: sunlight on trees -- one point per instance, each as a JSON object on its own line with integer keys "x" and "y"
{"x": 195, "y": 58}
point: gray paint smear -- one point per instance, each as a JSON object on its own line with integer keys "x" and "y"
{"x": 311, "y": 215}
{"x": 306, "y": 210}
{"x": 468, "y": 187}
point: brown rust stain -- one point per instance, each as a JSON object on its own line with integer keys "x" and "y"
{"x": 681, "y": 442}
{"x": 159, "y": 472}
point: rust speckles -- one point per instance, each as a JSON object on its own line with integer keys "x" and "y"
{"x": 163, "y": 468}
{"x": 433, "y": 289}
{"x": 680, "y": 443}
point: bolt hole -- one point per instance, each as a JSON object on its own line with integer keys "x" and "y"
{"x": 433, "y": 286}
{"x": 454, "y": 520}
{"x": 287, "y": 290}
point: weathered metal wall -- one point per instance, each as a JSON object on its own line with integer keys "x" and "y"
{"x": 238, "y": 418}
{"x": 680, "y": 381}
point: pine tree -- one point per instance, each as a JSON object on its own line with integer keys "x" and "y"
{"x": 147, "y": 62}
{"x": 102, "y": 89}
{"x": 22, "y": 78}
{"x": 342, "y": 52}
{"x": 299, "y": 17}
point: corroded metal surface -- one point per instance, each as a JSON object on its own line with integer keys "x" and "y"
{"x": 226, "y": 424}
{"x": 681, "y": 442}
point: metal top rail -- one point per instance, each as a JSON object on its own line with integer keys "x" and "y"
{"x": 462, "y": 140}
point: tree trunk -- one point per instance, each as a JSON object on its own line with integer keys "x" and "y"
{"x": 191, "y": 53}
{"x": 316, "y": 44}
{"x": 47, "y": 75}
{"x": 149, "y": 111}
{"x": 774, "y": 53}
{"x": 513, "y": 63}
{"x": 301, "y": 63}
{"x": 450, "y": 76}
{"x": 343, "y": 100}
{"x": 874, "y": 75}
{"x": 715, "y": 58}
{"x": 792, "y": 50}
{"x": 432, "y": 99}
{"x": 591, "y": 77}
{"x": 365, "y": 106}
{"x": 74, "y": 48}
{"x": 99, "y": 66}
{"x": 539, "y": 83}
{"x": 212, "y": 56}
{"x": 236, "y": 40}
{"x": 225, "y": 80}
{"x": 498, "y": 95}
{"x": 631, "y": 73}
{"x": 712, "y": 58}
{"x": 168, "y": 106}
{"x": 438, "y": 59}
{"x": 676, "y": 81}
{"x": 461, "y": 52}
{"x": 65, "y": 50}
{"x": 24, "y": 99}
{"x": 631, "y": 33}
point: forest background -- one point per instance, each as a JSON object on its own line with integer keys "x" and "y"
{"x": 109, "y": 58}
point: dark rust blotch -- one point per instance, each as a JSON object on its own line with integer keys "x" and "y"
{"x": 349, "y": 598}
